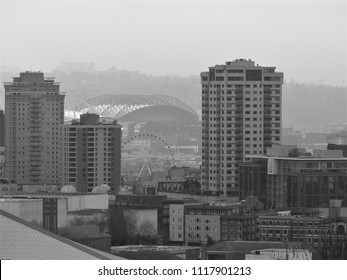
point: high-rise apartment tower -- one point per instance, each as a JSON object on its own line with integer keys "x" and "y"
{"x": 34, "y": 115}
{"x": 241, "y": 114}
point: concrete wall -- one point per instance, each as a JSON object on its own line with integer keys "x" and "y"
{"x": 62, "y": 212}
{"x": 202, "y": 198}
{"x": 325, "y": 211}
{"x": 90, "y": 201}
{"x": 29, "y": 210}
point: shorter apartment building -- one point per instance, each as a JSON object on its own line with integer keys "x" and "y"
{"x": 218, "y": 222}
{"x": 176, "y": 222}
{"x": 298, "y": 225}
{"x": 173, "y": 220}
{"x": 92, "y": 153}
{"x": 238, "y": 227}
{"x": 295, "y": 178}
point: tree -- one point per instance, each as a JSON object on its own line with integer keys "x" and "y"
{"x": 191, "y": 187}
{"x": 332, "y": 246}
{"x": 117, "y": 226}
{"x": 131, "y": 223}
{"x": 146, "y": 228}
{"x": 210, "y": 241}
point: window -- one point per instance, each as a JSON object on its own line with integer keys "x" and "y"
{"x": 235, "y": 78}
{"x": 253, "y": 75}
{"x": 235, "y": 71}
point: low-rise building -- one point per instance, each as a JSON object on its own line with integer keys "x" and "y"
{"x": 171, "y": 186}
{"x": 295, "y": 178}
{"x": 173, "y": 220}
{"x": 217, "y": 222}
{"x": 297, "y": 225}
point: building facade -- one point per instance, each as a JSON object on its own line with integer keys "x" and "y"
{"x": 92, "y": 153}
{"x": 34, "y": 115}
{"x": 173, "y": 220}
{"x": 342, "y": 148}
{"x": 2, "y": 128}
{"x": 305, "y": 226}
{"x": 253, "y": 176}
{"x": 241, "y": 114}
{"x": 2, "y": 162}
{"x": 176, "y": 222}
{"x": 218, "y": 222}
{"x": 295, "y": 179}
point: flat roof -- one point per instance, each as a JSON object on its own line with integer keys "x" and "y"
{"x": 296, "y": 158}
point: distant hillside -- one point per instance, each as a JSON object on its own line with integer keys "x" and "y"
{"x": 302, "y": 103}
{"x": 86, "y": 85}
{"x": 314, "y": 104}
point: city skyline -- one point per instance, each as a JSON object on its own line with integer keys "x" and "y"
{"x": 147, "y": 37}
{"x": 171, "y": 130}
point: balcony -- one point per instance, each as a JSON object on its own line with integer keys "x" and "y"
{"x": 35, "y": 128}
{"x": 36, "y": 155}
{"x": 35, "y": 116}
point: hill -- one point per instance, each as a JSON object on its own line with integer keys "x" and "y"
{"x": 302, "y": 103}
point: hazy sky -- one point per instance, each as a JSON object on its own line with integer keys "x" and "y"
{"x": 305, "y": 40}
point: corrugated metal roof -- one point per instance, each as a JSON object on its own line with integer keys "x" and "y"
{"x": 20, "y": 240}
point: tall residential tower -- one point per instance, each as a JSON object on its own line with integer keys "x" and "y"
{"x": 241, "y": 114}
{"x": 34, "y": 115}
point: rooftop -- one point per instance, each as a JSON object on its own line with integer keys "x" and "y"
{"x": 21, "y": 240}
{"x": 248, "y": 246}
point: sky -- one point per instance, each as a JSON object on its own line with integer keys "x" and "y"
{"x": 304, "y": 39}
